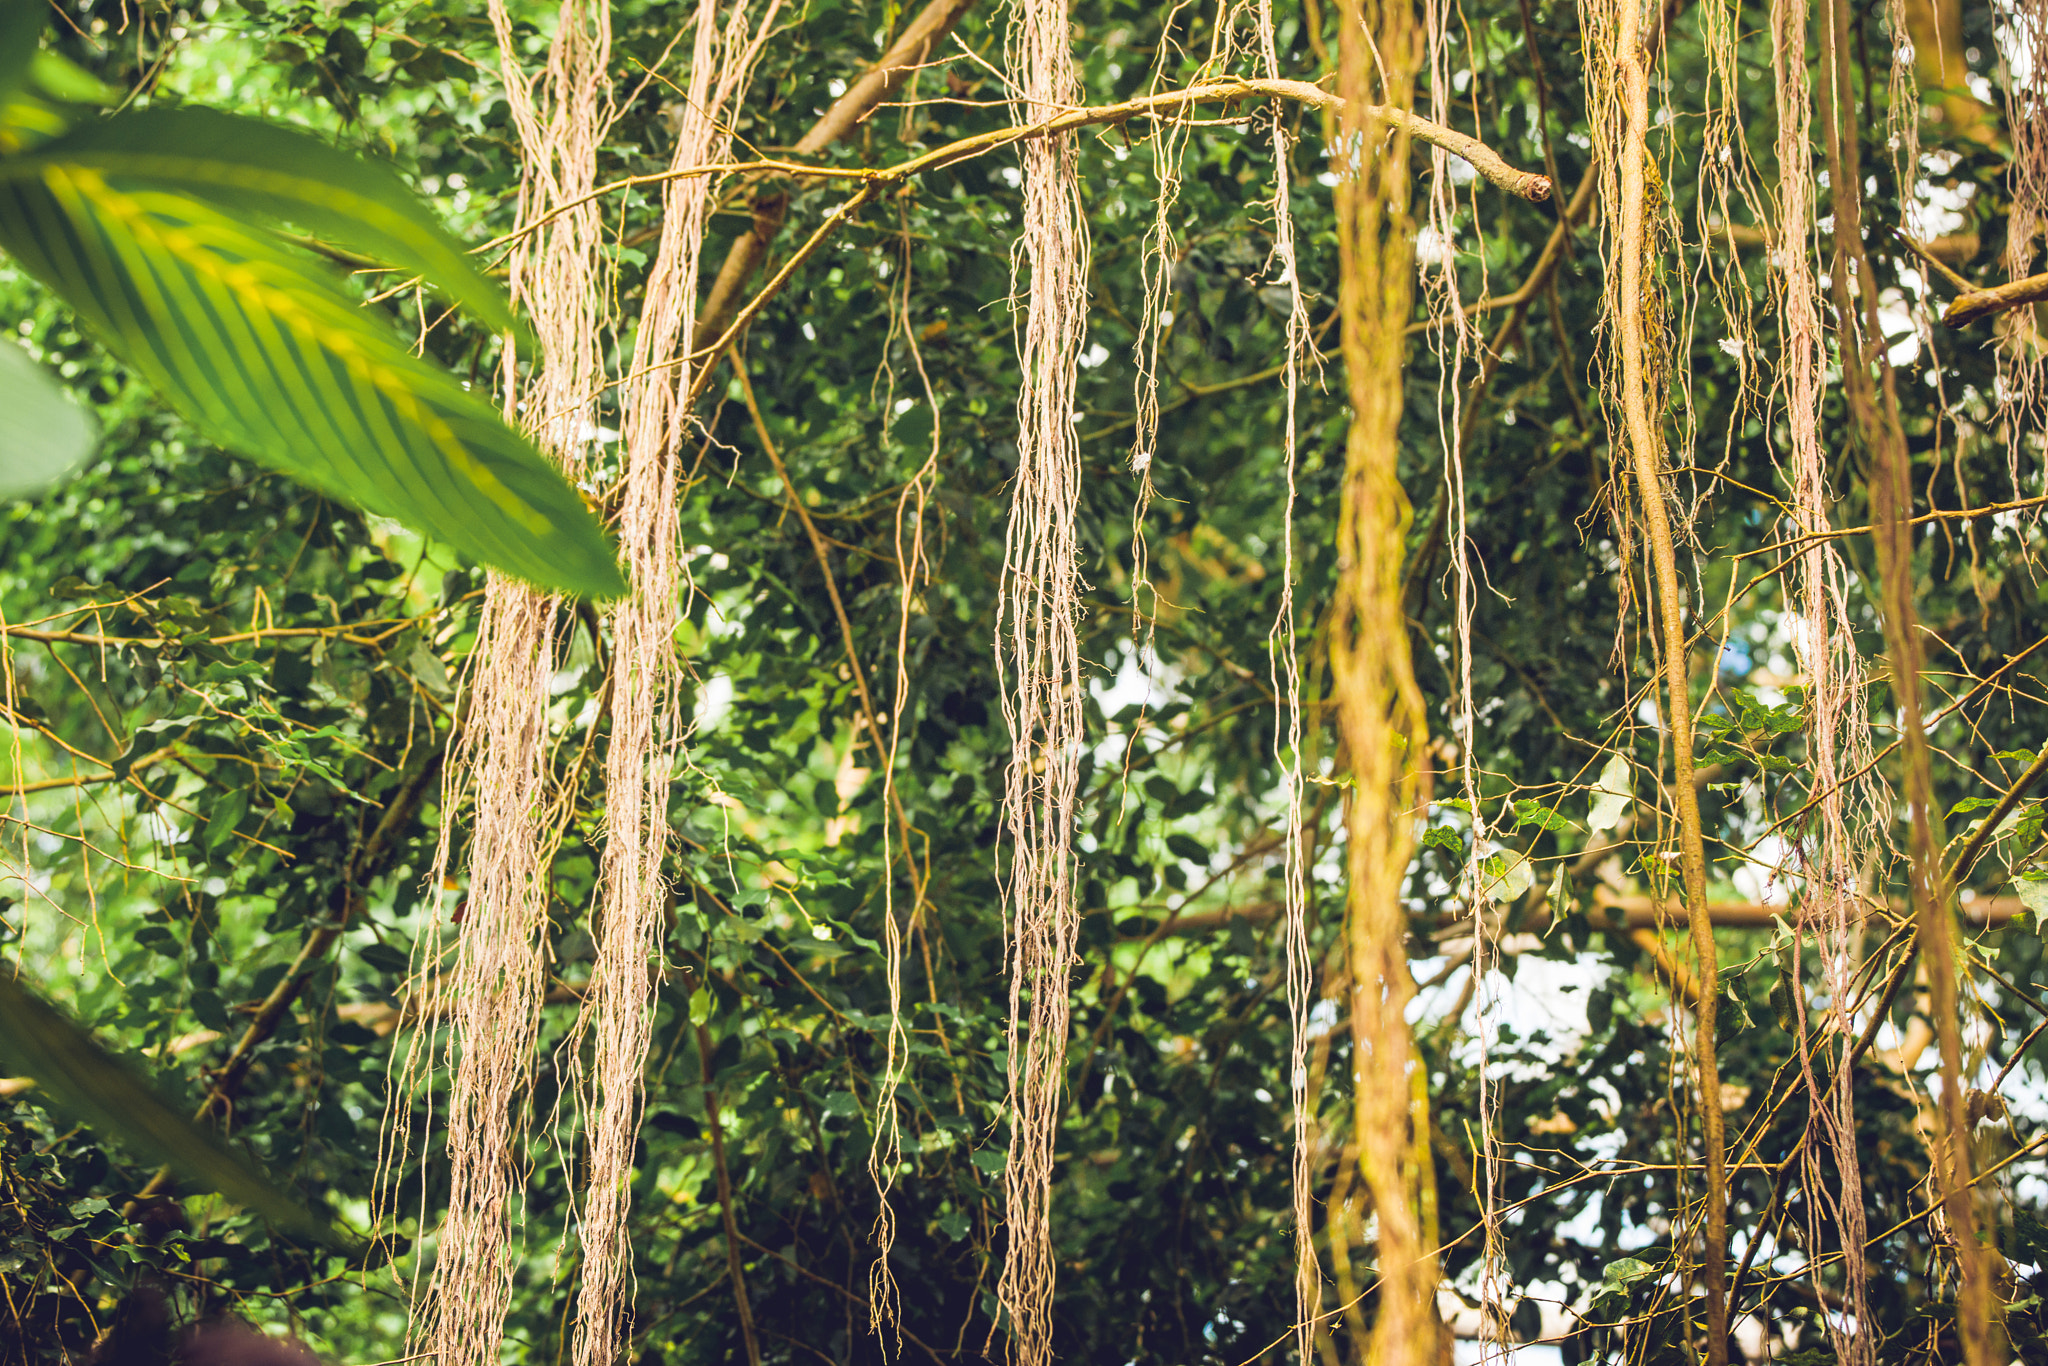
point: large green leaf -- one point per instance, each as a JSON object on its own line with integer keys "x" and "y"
{"x": 254, "y": 342}
{"x": 82, "y": 1079}
{"x": 43, "y": 434}
{"x": 21, "y": 25}
{"x": 246, "y": 166}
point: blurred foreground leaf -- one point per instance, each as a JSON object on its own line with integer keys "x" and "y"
{"x": 82, "y": 1079}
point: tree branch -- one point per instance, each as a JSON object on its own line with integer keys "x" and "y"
{"x": 873, "y": 183}
{"x": 1980, "y": 304}
{"x": 771, "y": 205}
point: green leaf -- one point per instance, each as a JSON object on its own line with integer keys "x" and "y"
{"x": 1506, "y": 877}
{"x": 227, "y": 814}
{"x": 266, "y": 356}
{"x": 100, "y": 1092}
{"x": 1611, "y": 795}
{"x": 43, "y": 434}
{"x": 385, "y": 959}
{"x": 1443, "y": 837}
{"x": 67, "y": 82}
{"x": 21, "y": 25}
{"x": 1626, "y": 1270}
{"x": 1529, "y": 811}
{"x": 246, "y": 166}
{"x": 427, "y": 667}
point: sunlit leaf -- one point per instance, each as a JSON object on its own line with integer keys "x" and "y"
{"x": 1611, "y": 795}
{"x": 2033, "y": 893}
{"x": 1506, "y": 877}
{"x": 246, "y": 166}
{"x": 1529, "y": 811}
{"x": 259, "y": 349}
{"x": 82, "y": 1079}
{"x": 43, "y": 434}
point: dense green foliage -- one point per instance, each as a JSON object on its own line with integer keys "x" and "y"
{"x": 230, "y": 696}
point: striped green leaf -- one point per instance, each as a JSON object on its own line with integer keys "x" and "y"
{"x": 246, "y": 166}
{"x": 21, "y": 24}
{"x": 257, "y": 346}
{"x": 81, "y": 1079}
{"x": 43, "y": 434}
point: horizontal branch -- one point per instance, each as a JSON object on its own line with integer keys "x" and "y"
{"x": 1483, "y": 159}
{"x": 1620, "y": 911}
{"x": 1980, "y": 304}
{"x": 1488, "y": 163}
{"x": 350, "y": 632}
{"x": 1610, "y": 910}
{"x": 1955, "y": 249}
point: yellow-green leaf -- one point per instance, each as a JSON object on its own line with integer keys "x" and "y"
{"x": 257, "y": 346}
{"x": 246, "y": 166}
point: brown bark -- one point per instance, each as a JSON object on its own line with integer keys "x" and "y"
{"x": 706, "y": 1050}
{"x": 1980, "y": 304}
{"x": 1936, "y": 28}
{"x": 771, "y": 201}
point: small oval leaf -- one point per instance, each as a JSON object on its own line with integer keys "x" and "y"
{"x": 43, "y": 434}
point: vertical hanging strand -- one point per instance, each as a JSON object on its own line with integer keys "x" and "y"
{"x": 1636, "y": 365}
{"x": 1453, "y": 338}
{"x": 491, "y": 995}
{"x": 2022, "y": 364}
{"x": 646, "y": 730}
{"x": 1870, "y": 388}
{"x": 1380, "y": 711}
{"x": 1038, "y": 657}
{"x": 1838, "y": 729}
{"x": 1286, "y": 672}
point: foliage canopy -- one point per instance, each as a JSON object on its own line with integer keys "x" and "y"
{"x": 230, "y": 696}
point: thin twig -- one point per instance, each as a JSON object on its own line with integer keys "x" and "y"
{"x": 732, "y": 1231}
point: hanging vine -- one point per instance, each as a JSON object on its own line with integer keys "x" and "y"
{"x": 1038, "y": 657}
{"x": 1636, "y": 365}
{"x": 646, "y": 679}
{"x": 499, "y": 763}
{"x": 1380, "y": 711}
{"x": 1838, "y": 735}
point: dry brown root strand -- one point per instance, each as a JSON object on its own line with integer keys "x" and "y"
{"x": 647, "y": 727}
{"x": 1038, "y": 659}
